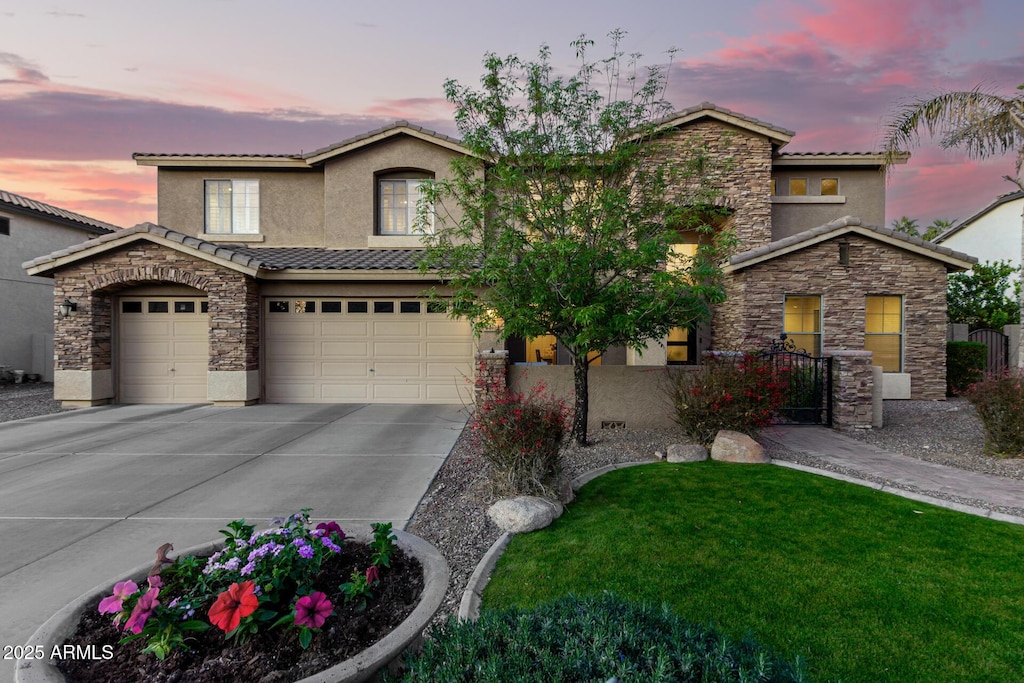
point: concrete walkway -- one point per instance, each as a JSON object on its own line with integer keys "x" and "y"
{"x": 87, "y": 495}
{"x": 896, "y": 469}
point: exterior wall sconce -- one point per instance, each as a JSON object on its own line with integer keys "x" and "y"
{"x": 67, "y": 308}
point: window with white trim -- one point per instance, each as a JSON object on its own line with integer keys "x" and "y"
{"x": 232, "y": 207}
{"x": 398, "y": 206}
{"x": 801, "y": 321}
{"x": 883, "y": 331}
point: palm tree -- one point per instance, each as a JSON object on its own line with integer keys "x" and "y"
{"x": 984, "y": 124}
{"x": 906, "y": 225}
{"x": 938, "y": 226}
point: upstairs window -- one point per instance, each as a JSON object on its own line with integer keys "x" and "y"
{"x": 233, "y": 207}
{"x": 398, "y": 203}
{"x": 5, "y": 226}
{"x": 797, "y": 187}
{"x": 829, "y": 187}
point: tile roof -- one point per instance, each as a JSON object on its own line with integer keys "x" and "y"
{"x": 710, "y": 106}
{"x": 20, "y": 203}
{"x": 256, "y": 258}
{"x": 308, "y": 258}
{"x": 379, "y": 131}
{"x": 841, "y": 225}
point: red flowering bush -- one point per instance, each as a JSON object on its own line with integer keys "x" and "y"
{"x": 999, "y": 401}
{"x": 520, "y": 436}
{"x": 741, "y": 392}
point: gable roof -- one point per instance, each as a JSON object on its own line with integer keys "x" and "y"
{"x": 307, "y": 160}
{"x": 954, "y": 260}
{"x": 254, "y": 261}
{"x": 779, "y": 136}
{"x": 30, "y": 207}
{"x": 1002, "y": 199}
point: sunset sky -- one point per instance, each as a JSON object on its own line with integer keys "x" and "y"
{"x": 85, "y": 84}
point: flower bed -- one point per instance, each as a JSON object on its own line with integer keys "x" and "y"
{"x": 202, "y": 619}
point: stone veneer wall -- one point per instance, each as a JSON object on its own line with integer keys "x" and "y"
{"x": 745, "y": 182}
{"x": 752, "y": 315}
{"x": 491, "y": 373}
{"x": 83, "y": 340}
{"x": 852, "y": 387}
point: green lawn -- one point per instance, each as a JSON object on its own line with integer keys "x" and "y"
{"x": 866, "y": 586}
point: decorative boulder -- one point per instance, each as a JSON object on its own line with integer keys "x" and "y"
{"x": 687, "y": 452}
{"x": 732, "y": 446}
{"x": 524, "y": 514}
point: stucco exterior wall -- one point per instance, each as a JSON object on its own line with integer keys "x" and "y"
{"x": 994, "y": 236}
{"x": 350, "y": 189}
{"x": 745, "y": 180}
{"x": 27, "y": 306}
{"x": 752, "y": 315}
{"x": 291, "y": 204}
{"x": 861, "y": 194}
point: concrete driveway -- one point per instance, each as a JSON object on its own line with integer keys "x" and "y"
{"x": 87, "y": 495}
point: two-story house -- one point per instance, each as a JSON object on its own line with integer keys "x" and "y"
{"x": 293, "y": 278}
{"x": 29, "y": 227}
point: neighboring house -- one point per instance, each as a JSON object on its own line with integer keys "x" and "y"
{"x": 293, "y": 278}
{"x": 992, "y": 234}
{"x": 29, "y": 228}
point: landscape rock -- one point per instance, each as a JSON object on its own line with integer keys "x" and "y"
{"x": 687, "y": 452}
{"x": 730, "y": 446}
{"x": 523, "y": 514}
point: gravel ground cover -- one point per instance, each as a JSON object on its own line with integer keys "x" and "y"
{"x": 453, "y": 514}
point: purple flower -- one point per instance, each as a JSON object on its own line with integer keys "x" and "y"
{"x": 144, "y": 609}
{"x": 311, "y": 611}
{"x": 232, "y": 564}
{"x": 330, "y": 545}
{"x": 115, "y": 603}
{"x": 306, "y": 551}
{"x": 248, "y": 569}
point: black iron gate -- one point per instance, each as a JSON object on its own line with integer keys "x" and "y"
{"x": 809, "y": 395}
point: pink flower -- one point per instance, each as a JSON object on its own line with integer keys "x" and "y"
{"x": 155, "y": 581}
{"x": 144, "y": 609}
{"x": 372, "y": 574}
{"x": 311, "y": 611}
{"x": 115, "y": 603}
{"x": 331, "y": 528}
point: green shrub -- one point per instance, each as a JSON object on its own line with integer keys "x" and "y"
{"x": 740, "y": 392}
{"x": 1000, "y": 403}
{"x": 520, "y": 437}
{"x": 591, "y": 639}
{"x": 965, "y": 365}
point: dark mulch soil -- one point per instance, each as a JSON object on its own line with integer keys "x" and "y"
{"x": 272, "y": 656}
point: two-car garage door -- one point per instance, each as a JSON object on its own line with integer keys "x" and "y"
{"x": 337, "y": 350}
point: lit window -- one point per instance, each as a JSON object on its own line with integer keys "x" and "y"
{"x": 233, "y": 207}
{"x": 802, "y": 322}
{"x": 398, "y": 205}
{"x": 829, "y": 187}
{"x": 883, "y": 331}
{"x": 797, "y": 186}
{"x": 774, "y": 192}
{"x": 680, "y": 347}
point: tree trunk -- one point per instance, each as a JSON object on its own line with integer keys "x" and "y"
{"x": 580, "y": 366}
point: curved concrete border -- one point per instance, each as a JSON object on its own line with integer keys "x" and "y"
{"x": 469, "y": 607}
{"x": 362, "y": 667}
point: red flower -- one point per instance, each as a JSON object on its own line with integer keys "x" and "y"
{"x": 311, "y": 611}
{"x": 237, "y": 602}
{"x": 372, "y": 574}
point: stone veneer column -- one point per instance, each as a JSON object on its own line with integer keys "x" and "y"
{"x": 491, "y": 374}
{"x": 852, "y": 388}
{"x": 83, "y": 374}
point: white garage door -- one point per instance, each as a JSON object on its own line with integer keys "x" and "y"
{"x": 364, "y": 350}
{"x": 163, "y": 350}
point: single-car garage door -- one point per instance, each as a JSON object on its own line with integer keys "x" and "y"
{"x": 364, "y": 350}
{"x": 163, "y": 350}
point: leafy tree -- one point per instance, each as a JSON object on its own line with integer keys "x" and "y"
{"x": 985, "y": 124}
{"x": 906, "y": 225}
{"x": 979, "y": 297}
{"x": 569, "y": 229}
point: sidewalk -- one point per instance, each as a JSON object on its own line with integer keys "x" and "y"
{"x": 886, "y": 470}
